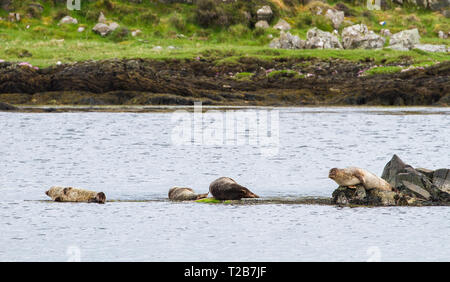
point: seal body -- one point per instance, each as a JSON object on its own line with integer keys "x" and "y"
{"x": 69, "y": 194}
{"x": 185, "y": 194}
{"x": 226, "y": 188}
{"x": 352, "y": 176}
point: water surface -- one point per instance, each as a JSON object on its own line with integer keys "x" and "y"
{"x": 131, "y": 156}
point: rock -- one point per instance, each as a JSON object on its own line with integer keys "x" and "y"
{"x": 287, "y": 41}
{"x": 417, "y": 190}
{"x": 441, "y": 179}
{"x": 336, "y": 17}
{"x": 446, "y": 13}
{"x": 104, "y": 29}
{"x": 101, "y": 18}
{"x": 14, "y": 17}
{"x": 319, "y": 39}
{"x": 136, "y": 32}
{"x": 359, "y": 36}
{"x": 360, "y": 196}
{"x": 7, "y": 107}
{"x": 437, "y": 5}
{"x": 392, "y": 168}
{"x": 442, "y": 34}
{"x": 432, "y": 48}
{"x": 157, "y": 48}
{"x": 282, "y": 25}
{"x": 385, "y": 33}
{"x": 404, "y": 40}
{"x": 264, "y": 13}
{"x": 427, "y": 172}
{"x": 68, "y": 20}
{"x": 81, "y": 29}
{"x": 262, "y": 24}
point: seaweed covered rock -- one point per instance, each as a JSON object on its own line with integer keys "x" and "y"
{"x": 412, "y": 186}
{"x": 7, "y": 107}
{"x": 368, "y": 197}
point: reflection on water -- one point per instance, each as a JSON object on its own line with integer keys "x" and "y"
{"x": 130, "y": 156}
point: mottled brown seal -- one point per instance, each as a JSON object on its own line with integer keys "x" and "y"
{"x": 69, "y": 194}
{"x": 226, "y": 188}
{"x": 353, "y": 176}
{"x": 185, "y": 194}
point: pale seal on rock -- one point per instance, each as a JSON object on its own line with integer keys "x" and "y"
{"x": 353, "y": 176}
{"x": 69, "y": 194}
{"x": 185, "y": 194}
{"x": 226, "y": 188}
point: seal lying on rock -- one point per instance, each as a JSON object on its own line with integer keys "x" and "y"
{"x": 69, "y": 194}
{"x": 185, "y": 194}
{"x": 226, "y": 188}
{"x": 353, "y": 176}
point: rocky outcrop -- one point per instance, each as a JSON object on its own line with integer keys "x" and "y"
{"x": 287, "y": 41}
{"x": 411, "y": 187}
{"x": 404, "y": 40}
{"x": 319, "y": 39}
{"x": 359, "y": 36}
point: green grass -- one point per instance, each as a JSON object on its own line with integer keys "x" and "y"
{"x": 162, "y": 25}
{"x": 383, "y": 70}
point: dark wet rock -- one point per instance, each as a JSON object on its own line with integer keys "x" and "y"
{"x": 7, "y": 107}
{"x": 172, "y": 81}
{"x": 392, "y": 168}
{"x": 360, "y": 196}
{"x": 427, "y": 172}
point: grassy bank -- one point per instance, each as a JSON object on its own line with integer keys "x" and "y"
{"x": 225, "y": 37}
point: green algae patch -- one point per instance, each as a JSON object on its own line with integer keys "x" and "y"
{"x": 212, "y": 201}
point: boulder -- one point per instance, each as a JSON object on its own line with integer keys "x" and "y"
{"x": 404, "y": 40}
{"x": 359, "y": 36}
{"x": 68, "y": 20}
{"x": 264, "y": 13}
{"x": 336, "y": 17}
{"x": 432, "y": 48}
{"x": 319, "y": 39}
{"x": 282, "y": 25}
{"x": 392, "y": 168}
{"x": 104, "y": 29}
{"x": 287, "y": 41}
{"x": 441, "y": 179}
{"x": 262, "y": 24}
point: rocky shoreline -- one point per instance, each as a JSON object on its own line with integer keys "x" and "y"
{"x": 246, "y": 82}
